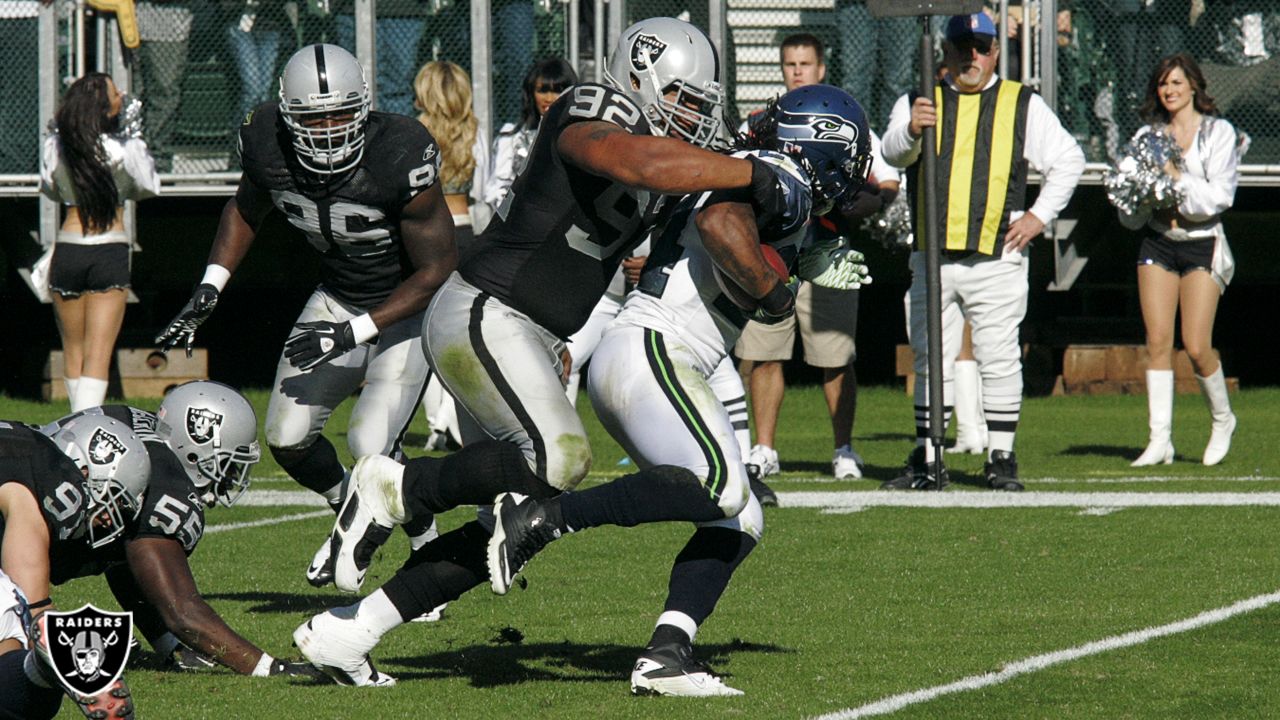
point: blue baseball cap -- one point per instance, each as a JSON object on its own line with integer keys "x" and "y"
{"x": 963, "y": 26}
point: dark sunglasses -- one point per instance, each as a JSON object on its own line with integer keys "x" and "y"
{"x": 983, "y": 47}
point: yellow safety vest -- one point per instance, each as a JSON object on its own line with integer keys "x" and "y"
{"x": 982, "y": 174}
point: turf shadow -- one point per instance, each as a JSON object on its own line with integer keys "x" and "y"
{"x": 1126, "y": 452}
{"x": 283, "y": 602}
{"x": 507, "y": 660}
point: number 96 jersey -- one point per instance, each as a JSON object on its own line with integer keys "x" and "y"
{"x": 353, "y": 219}
{"x": 561, "y": 232}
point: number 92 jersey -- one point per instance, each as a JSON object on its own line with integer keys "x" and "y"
{"x": 33, "y": 460}
{"x": 171, "y": 508}
{"x": 352, "y": 220}
{"x": 561, "y": 232}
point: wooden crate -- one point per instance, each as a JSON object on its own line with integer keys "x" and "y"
{"x": 137, "y": 372}
{"x": 1121, "y": 369}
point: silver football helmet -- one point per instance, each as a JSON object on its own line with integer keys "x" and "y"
{"x": 663, "y": 55}
{"x": 324, "y": 101}
{"x": 214, "y": 432}
{"x": 116, "y": 467}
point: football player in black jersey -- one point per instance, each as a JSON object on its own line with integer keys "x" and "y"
{"x": 202, "y": 444}
{"x": 596, "y": 182}
{"x": 362, "y": 187}
{"x": 59, "y": 496}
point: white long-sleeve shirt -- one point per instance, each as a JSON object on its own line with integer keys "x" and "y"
{"x": 1048, "y": 148}
{"x": 131, "y": 166}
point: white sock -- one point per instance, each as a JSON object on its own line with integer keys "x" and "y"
{"x": 377, "y": 614}
{"x": 71, "y": 384}
{"x": 678, "y": 619}
{"x": 1002, "y": 406}
{"x": 90, "y": 392}
{"x": 335, "y": 494}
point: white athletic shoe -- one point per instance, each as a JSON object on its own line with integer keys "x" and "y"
{"x": 846, "y": 463}
{"x": 765, "y": 458}
{"x": 434, "y": 615}
{"x": 671, "y": 670}
{"x": 339, "y": 648}
{"x": 320, "y": 571}
{"x": 374, "y": 505}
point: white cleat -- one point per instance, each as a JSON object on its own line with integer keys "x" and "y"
{"x": 339, "y": 648}
{"x": 374, "y": 505}
{"x": 320, "y": 571}
{"x": 765, "y": 458}
{"x": 846, "y": 464}
{"x": 671, "y": 670}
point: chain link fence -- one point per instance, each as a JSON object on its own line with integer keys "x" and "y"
{"x": 203, "y": 64}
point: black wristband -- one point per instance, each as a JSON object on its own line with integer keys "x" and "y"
{"x": 778, "y": 301}
{"x": 40, "y": 604}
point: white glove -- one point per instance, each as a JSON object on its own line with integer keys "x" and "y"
{"x": 830, "y": 264}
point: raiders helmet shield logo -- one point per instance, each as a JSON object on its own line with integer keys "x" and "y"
{"x": 202, "y": 424}
{"x": 105, "y": 448}
{"x": 645, "y": 50}
{"x": 88, "y": 647}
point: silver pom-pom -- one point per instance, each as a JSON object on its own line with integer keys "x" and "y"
{"x": 1139, "y": 182}
{"x": 130, "y": 118}
{"x": 891, "y": 227}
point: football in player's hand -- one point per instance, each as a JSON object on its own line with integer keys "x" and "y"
{"x": 742, "y": 298}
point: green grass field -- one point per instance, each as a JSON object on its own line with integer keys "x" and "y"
{"x": 854, "y": 603}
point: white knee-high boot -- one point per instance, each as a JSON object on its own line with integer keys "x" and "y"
{"x": 1214, "y": 388}
{"x": 971, "y": 426}
{"x": 1160, "y": 418}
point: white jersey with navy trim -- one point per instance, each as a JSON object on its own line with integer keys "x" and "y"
{"x": 678, "y": 295}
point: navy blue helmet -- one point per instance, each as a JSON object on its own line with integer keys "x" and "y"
{"x": 826, "y": 130}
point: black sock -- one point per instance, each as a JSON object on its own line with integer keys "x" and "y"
{"x": 656, "y": 494}
{"x": 441, "y": 571}
{"x": 668, "y": 635}
{"x": 474, "y": 475}
{"x": 703, "y": 568}
{"x": 315, "y": 467}
{"x": 23, "y": 699}
{"x": 418, "y": 524}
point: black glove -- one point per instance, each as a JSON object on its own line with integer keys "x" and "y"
{"x": 298, "y": 669}
{"x": 767, "y": 196}
{"x": 779, "y": 304}
{"x": 862, "y": 202}
{"x": 185, "y": 659}
{"x": 183, "y": 327}
{"x": 319, "y": 342}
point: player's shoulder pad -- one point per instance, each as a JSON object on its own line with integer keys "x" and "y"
{"x": 403, "y": 151}
{"x": 262, "y": 142}
{"x": 590, "y": 101}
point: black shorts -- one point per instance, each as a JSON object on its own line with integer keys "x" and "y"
{"x": 1178, "y": 257}
{"x": 78, "y": 269}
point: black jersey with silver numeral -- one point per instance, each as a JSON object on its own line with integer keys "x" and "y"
{"x": 30, "y": 458}
{"x": 351, "y": 219}
{"x": 561, "y": 232}
{"x": 171, "y": 508}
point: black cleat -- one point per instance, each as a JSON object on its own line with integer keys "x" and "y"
{"x": 763, "y": 493}
{"x": 918, "y": 474}
{"x": 520, "y": 531}
{"x": 1001, "y": 471}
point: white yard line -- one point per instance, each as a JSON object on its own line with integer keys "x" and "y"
{"x": 894, "y": 703}
{"x": 985, "y": 499}
{"x": 265, "y": 521}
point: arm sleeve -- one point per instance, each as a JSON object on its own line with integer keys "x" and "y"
{"x": 898, "y": 147}
{"x": 1051, "y": 150}
{"x": 1211, "y": 195}
{"x": 882, "y": 170}
{"x": 48, "y": 164}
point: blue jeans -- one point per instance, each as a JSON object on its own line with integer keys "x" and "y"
{"x": 872, "y": 49}
{"x": 256, "y": 54}
{"x": 398, "y": 40}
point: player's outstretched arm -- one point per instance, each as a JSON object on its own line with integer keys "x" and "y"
{"x": 160, "y": 569}
{"x": 25, "y": 552}
{"x": 426, "y": 228}
{"x": 656, "y": 164}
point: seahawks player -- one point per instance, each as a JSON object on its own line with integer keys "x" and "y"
{"x": 649, "y": 380}
{"x": 362, "y": 187}
{"x": 202, "y": 444}
{"x": 594, "y": 186}
{"x": 59, "y": 497}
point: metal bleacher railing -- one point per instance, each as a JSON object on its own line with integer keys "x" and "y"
{"x": 203, "y": 62}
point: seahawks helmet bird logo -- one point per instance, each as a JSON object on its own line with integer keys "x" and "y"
{"x": 823, "y": 128}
